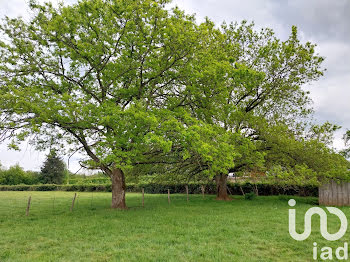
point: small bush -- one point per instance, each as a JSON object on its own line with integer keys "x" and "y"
{"x": 249, "y": 196}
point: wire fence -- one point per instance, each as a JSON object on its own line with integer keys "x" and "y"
{"x": 34, "y": 203}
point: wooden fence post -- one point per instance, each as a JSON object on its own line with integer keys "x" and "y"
{"x": 202, "y": 187}
{"x": 256, "y": 190}
{"x": 53, "y": 202}
{"x": 92, "y": 198}
{"x": 168, "y": 196}
{"x": 143, "y": 197}
{"x": 28, "y": 205}
{"x": 71, "y": 208}
{"x": 187, "y": 192}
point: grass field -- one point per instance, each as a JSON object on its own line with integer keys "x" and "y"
{"x": 198, "y": 230}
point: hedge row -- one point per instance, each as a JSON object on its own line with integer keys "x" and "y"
{"x": 194, "y": 188}
{"x": 93, "y": 181}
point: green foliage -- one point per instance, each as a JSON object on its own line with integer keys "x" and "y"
{"x": 249, "y": 196}
{"x": 269, "y": 73}
{"x": 81, "y": 178}
{"x": 137, "y": 87}
{"x": 114, "y": 80}
{"x": 54, "y": 170}
{"x": 294, "y": 158}
{"x": 297, "y": 175}
{"x": 16, "y": 175}
{"x": 323, "y": 133}
{"x": 88, "y": 180}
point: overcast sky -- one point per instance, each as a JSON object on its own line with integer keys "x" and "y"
{"x": 325, "y": 22}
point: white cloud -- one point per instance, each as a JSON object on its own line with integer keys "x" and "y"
{"x": 331, "y": 94}
{"x": 30, "y": 159}
{"x": 236, "y": 10}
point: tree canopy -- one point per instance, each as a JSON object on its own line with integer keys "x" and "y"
{"x": 107, "y": 78}
{"x": 131, "y": 83}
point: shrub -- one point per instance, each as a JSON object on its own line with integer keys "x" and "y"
{"x": 250, "y": 196}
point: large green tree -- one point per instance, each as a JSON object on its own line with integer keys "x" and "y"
{"x": 251, "y": 80}
{"x": 129, "y": 83}
{"x": 265, "y": 87}
{"x": 247, "y": 81}
{"x": 110, "y": 79}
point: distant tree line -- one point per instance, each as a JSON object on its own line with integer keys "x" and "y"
{"x": 53, "y": 171}
{"x": 15, "y": 175}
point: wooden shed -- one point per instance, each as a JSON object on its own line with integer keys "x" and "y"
{"x": 334, "y": 194}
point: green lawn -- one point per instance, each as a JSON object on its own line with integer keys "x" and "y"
{"x": 198, "y": 230}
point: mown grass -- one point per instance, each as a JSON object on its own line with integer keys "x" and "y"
{"x": 198, "y": 230}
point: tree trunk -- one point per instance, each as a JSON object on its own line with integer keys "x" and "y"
{"x": 221, "y": 187}
{"x": 118, "y": 189}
